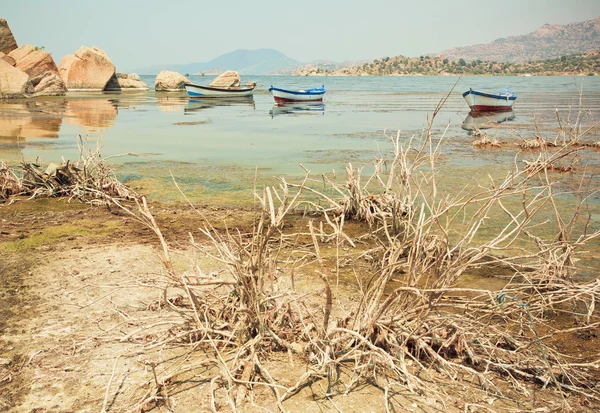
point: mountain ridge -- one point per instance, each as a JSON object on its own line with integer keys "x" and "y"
{"x": 550, "y": 41}
{"x": 243, "y": 61}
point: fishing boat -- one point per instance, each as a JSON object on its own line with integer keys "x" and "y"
{"x": 198, "y": 91}
{"x": 308, "y": 95}
{"x": 490, "y": 102}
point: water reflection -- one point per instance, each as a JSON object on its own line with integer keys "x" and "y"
{"x": 486, "y": 120}
{"x": 297, "y": 109}
{"x": 196, "y": 105}
{"x": 93, "y": 114}
{"x": 31, "y": 119}
{"x": 168, "y": 103}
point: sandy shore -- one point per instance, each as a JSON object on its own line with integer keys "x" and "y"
{"x": 78, "y": 283}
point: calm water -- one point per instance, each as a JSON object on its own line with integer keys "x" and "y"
{"x": 217, "y": 150}
{"x": 214, "y": 148}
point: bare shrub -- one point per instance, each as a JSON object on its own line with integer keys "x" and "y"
{"x": 409, "y": 324}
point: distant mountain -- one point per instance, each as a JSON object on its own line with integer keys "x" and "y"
{"x": 245, "y": 62}
{"x": 548, "y": 42}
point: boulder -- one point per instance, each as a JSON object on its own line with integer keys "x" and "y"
{"x": 122, "y": 81}
{"x": 33, "y": 60}
{"x": 14, "y": 83}
{"x": 48, "y": 84}
{"x": 169, "y": 81}
{"x": 89, "y": 68}
{"x": 7, "y": 40}
{"x": 227, "y": 79}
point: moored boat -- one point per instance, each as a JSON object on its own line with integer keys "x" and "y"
{"x": 309, "y": 95}
{"x": 199, "y": 91}
{"x": 490, "y": 102}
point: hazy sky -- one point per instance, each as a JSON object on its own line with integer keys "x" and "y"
{"x": 137, "y": 33}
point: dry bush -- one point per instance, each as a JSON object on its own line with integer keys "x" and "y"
{"x": 483, "y": 140}
{"x": 409, "y": 325}
{"x": 90, "y": 179}
{"x": 10, "y": 184}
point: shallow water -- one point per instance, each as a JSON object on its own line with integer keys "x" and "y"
{"x": 218, "y": 150}
{"x": 215, "y": 148}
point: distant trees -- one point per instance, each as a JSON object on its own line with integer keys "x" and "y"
{"x": 462, "y": 62}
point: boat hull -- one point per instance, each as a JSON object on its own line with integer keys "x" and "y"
{"x": 486, "y": 102}
{"x": 198, "y": 91}
{"x": 289, "y": 96}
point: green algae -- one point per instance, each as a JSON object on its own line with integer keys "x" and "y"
{"x": 53, "y": 234}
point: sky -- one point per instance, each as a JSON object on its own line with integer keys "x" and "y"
{"x": 139, "y": 33}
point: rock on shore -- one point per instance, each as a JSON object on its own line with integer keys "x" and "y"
{"x": 14, "y": 83}
{"x": 7, "y": 40}
{"x": 167, "y": 81}
{"x": 89, "y": 68}
{"x": 122, "y": 81}
{"x": 28, "y": 72}
{"x": 33, "y": 61}
{"x": 228, "y": 79}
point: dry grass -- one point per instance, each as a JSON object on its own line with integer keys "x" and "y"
{"x": 408, "y": 318}
{"x": 407, "y": 325}
{"x": 89, "y": 179}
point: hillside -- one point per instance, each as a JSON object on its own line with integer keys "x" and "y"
{"x": 323, "y": 65}
{"x": 246, "y": 62}
{"x": 579, "y": 64}
{"x": 548, "y": 42}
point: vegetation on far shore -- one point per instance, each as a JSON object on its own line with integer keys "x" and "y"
{"x": 577, "y": 64}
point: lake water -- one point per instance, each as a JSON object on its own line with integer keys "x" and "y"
{"x": 215, "y": 148}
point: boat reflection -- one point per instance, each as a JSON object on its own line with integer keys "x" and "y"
{"x": 298, "y": 109}
{"x": 486, "y": 120}
{"x": 197, "y": 105}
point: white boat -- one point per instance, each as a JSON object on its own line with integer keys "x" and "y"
{"x": 490, "y": 102}
{"x": 198, "y": 91}
{"x": 308, "y": 95}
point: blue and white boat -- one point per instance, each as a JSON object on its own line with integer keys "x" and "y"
{"x": 309, "y": 95}
{"x": 490, "y": 102}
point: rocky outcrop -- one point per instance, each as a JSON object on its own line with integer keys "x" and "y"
{"x": 227, "y": 79}
{"x": 167, "y": 81}
{"x": 41, "y": 70}
{"x": 7, "y": 59}
{"x": 89, "y": 68}
{"x": 547, "y": 42}
{"x": 14, "y": 83}
{"x": 7, "y": 40}
{"x": 48, "y": 84}
{"x": 122, "y": 81}
{"x": 33, "y": 61}
{"x": 26, "y": 71}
